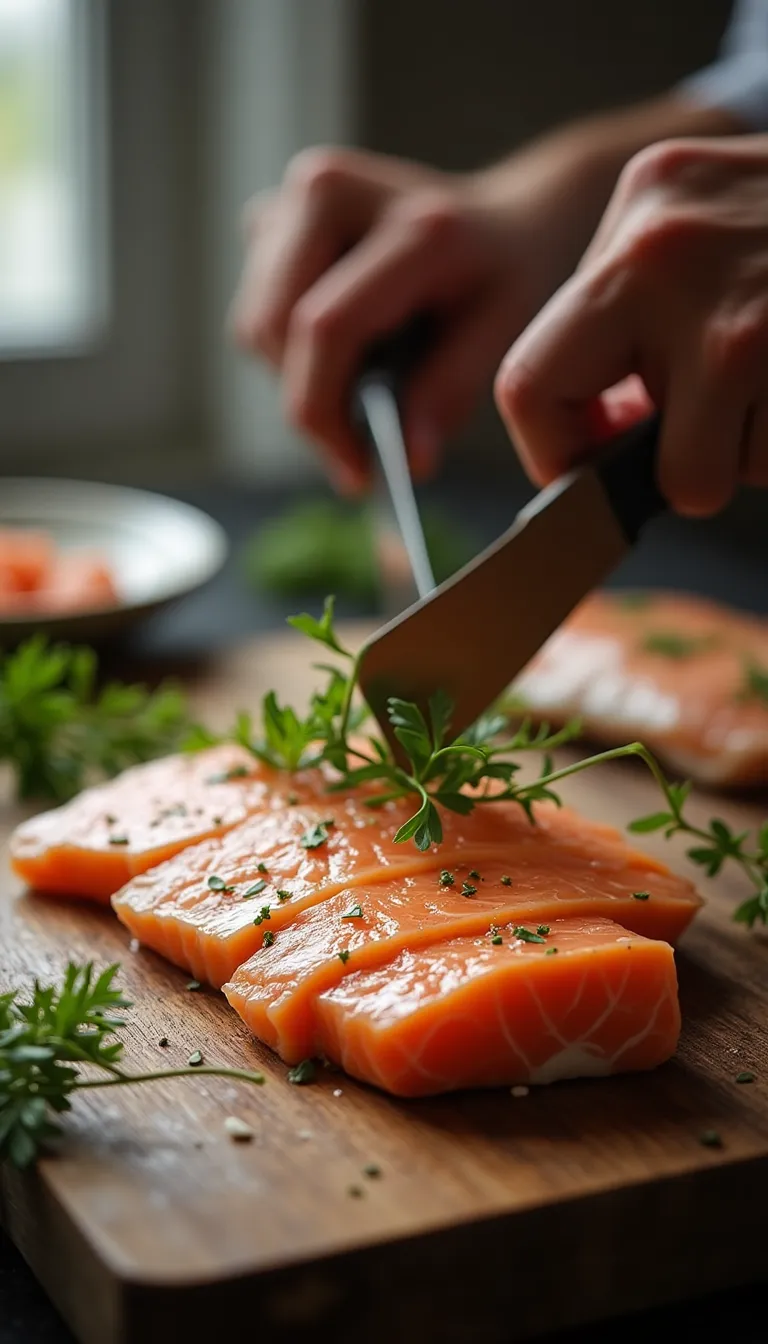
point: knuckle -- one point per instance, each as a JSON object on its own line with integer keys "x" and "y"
{"x": 659, "y": 165}
{"x": 315, "y": 323}
{"x": 516, "y": 390}
{"x": 737, "y": 344}
{"x": 661, "y": 240}
{"x": 432, "y": 218}
{"x": 318, "y": 171}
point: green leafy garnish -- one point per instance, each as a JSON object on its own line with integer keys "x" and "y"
{"x": 755, "y": 683}
{"x": 527, "y": 935}
{"x": 354, "y": 912}
{"x": 745, "y": 1077}
{"x": 467, "y": 889}
{"x": 344, "y": 957}
{"x": 497, "y": 940}
{"x": 268, "y": 938}
{"x": 543, "y": 930}
{"x": 216, "y": 883}
{"x": 671, "y": 645}
{"x": 255, "y": 890}
{"x": 641, "y": 895}
{"x": 305, "y": 1072}
{"x": 45, "y": 1044}
{"x": 551, "y": 952}
{"x": 59, "y": 731}
{"x": 316, "y": 836}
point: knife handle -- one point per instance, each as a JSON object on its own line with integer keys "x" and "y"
{"x": 628, "y": 475}
{"x": 390, "y": 360}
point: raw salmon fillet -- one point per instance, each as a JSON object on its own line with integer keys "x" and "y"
{"x": 467, "y": 1012}
{"x": 368, "y": 925}
{"x": 93, "y": 845}
{"x": 686, "y": 676}
{"x": 77, "y": 583}
{"x": 37, "y": 578}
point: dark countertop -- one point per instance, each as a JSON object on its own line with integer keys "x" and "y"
{"x": 726, "y": 558}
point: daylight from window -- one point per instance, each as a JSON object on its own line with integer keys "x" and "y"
{"x": 45, "y": 289}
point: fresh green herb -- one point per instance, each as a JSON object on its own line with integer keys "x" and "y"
{"x": 527, "y": 935}
{"x": 264, "y": 913}
{"x": 216, "y": 883}
{"x": 551, "y": 952}
{"x": 118, "y": 840}
{"x": 446, "y": 879}
{"x": 255, "y": 890}
{"x": 60, "y": 731}
{"x": 467, "y": 889}
{"x": 292, "y": 799}
{"x": 671, "y": 645}
{"x": 261, "y": 868}
{"x": 745, "y": 1077}
{"x": 474, "y": 873}
{"x": 641, "y": 895}
{"x": 268, "y": 938}
{"x": 305, "y": 1072}
{"x": 372, "y": 1169}
{"x": 344, "y": 957}
{"x": 543, "y": 930}
{"x": 283, "y": 895}
{"x": 506, "y": 881}
{"x": 710, "y": 1138}
{"x": 195, "y": 1059}
{"x": 45, "y": 1042}
{"x": 497, "y": 940}
{"x": 755, "y": 685}
{"x": 316, "y": 836}
{"x": 354, "y": 912}
{"x": 193, "y": 984}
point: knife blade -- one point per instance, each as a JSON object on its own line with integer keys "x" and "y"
{"x": 477, "y": 631}
{"x": 403, "y": 559}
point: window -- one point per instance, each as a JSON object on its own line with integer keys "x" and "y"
{"x": 52, "y": 217}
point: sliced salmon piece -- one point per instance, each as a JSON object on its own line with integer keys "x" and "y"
{"x": 172, "y": 908}
{"x": 686, "y": 676}
{"x": 76, "y": 582}
{"x": 368, "y": 926}
{"x": 26, "y": 559}
{"x": 466, "y": 1012}
{"x": 93, "y": 845}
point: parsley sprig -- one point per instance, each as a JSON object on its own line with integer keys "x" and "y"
{"x": 46, "y": 1043}
{"x": 59, "y": 732}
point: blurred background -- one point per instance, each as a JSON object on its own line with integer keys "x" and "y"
{"x": 131, "y": 134}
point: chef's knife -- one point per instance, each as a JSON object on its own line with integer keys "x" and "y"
{"x": 477, "y": 631}
{"x": 404, "y": 565}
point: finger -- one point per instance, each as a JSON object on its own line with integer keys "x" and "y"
{"x": 753, "y": 468}
{"x": 549, "y": 386}
{"x": 701, "y": 436}
{"x": 449, "y": 382}
{"x": 293, "y": 243}
{"x": 402, "y": 266}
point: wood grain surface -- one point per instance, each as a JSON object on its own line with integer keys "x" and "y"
{"x": 494, "y": 1218}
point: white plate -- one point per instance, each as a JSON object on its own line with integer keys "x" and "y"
{"x": 158, "y": 549}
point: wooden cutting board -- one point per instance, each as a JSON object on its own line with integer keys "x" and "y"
{"x": 494, "y": 1218}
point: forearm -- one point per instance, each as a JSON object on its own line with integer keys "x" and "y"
{"x": 574, "y": 169}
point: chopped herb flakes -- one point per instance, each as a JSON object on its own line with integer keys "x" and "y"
{"x": 264, "y": 913}
{"x": 467, "y": 889}
{"x": 344, "y": 957}
{"x": 315, "y": 836}
{"x": 268, "y": 938}
{"x": 671, "y": 645}
{"x": 497, "y": 940}
{"x": 354, "y": 912}
{"x": 355, "y": 1192}
{"x": 474, "y": 873}
{"x": 745, "y": 1077}
{"x": 292, "y": 799}
{"x": 118, "y": 839}
{"x": 283, "y": 895}
{"x": 506, "y": 881}
{"x": 709, "y": 1138}
{"x": 446, "y": 879}
{"x": 195, "y": 1059}
{"x": 255, "y": 890}
{"x": 551, "y": 952}
{"x": 640, "y": 895}
{"x": 305, "y": 1072}
{"x": 261, "y": 868}
{"x": 543, "y": 930}
{"x": 755, "y": 685}
{"x": 194, "y": 984}
{"x": 163, "y": 1041}
{"x": 527, "y": 935}
{"x": 372, "y": 1169}
{"x": 216, "y": 883}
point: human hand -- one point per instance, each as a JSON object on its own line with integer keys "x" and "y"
{"x": 351, "y": 246}
{"x": 668, "y": 308}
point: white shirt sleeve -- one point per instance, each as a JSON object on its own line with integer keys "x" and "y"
{"x": 738, "y": 79}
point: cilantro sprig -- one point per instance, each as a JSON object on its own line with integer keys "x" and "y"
{"x": 46, "y": 1044}
{"x": 60, "y": 732}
